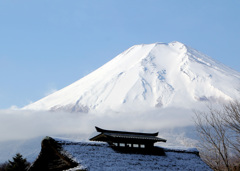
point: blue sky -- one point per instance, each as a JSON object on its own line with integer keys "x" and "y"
{"x": 47, "y": 45}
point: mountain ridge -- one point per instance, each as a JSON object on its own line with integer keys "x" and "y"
{"x": 147, "y": 76}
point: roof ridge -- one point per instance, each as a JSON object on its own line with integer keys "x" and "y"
{"x": 125, "y": 132}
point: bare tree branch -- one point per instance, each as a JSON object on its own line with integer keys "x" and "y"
{"x": 219, "y": 131}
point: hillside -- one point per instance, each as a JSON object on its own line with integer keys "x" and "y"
{"x": 144, "y": 77}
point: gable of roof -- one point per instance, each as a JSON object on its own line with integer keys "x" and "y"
{"x": 51, "y": 157}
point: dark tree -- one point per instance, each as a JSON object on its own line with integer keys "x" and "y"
{"x": 3, "y": 166}
{"x": 18, "y": 163}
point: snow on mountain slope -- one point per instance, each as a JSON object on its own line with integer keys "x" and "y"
{"x": 144, "y": 77}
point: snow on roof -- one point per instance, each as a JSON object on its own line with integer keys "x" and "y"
{"x": 99, "y": 156}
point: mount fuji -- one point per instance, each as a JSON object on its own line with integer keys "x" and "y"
{"x": 147, "y": 88}
{"x": 147, "y": 76}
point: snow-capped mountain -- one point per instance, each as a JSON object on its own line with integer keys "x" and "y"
{"x": 147, "y": 76}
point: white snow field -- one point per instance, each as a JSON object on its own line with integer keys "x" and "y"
{"x": 147, "y": 76}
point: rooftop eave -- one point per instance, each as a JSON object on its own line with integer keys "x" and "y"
{"x": 105, "y": 137}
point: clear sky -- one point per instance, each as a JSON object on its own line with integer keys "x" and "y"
{"x": 46, "y": 45}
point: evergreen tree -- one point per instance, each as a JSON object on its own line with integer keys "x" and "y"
{"x": 18, "y": 163}
{"x": 3, "y": 166}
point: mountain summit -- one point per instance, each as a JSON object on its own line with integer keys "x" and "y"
{"x": 147, "y": 76}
